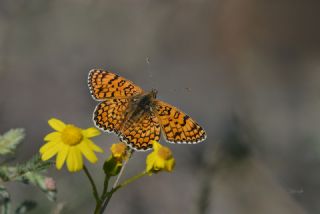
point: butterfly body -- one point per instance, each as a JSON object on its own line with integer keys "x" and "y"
{"x": 136, "y": 116}
{"x": 139, "y": 105}
{"x": 142, "y": 103}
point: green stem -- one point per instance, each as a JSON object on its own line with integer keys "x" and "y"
{"x": 106, "y": 202}
{"x": 105, "y": 187}
{"x": 130, "y": 180}
{"x": 94, "y": 188}
{"x": 114, "y": 189}
{"x": 107, "y": 195}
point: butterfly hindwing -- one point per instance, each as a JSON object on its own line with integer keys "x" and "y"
{"x": 140, "y": 134}
{"x": 109, "y": 114}
{"x": 104, "y": 85}
{"x": 177, "y": 126}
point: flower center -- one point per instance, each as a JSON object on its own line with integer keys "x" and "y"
{"x": 118, "y": 150}
{"x": 71, "y": 135}
{"x": 164, "y": 153}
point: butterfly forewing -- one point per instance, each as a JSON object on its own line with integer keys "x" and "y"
{"x": 177, "y": 126}
{"x": 104, "y": 85}
{"x": 140, "y": 134}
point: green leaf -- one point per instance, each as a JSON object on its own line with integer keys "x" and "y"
{"x": 4, "y": 174}
{"x": 13, "y": 173}
{"x": 41, "y": 181}
{"x": 5, "y": 203}
{"x": 34, "y": 164}
{"x": 10, "y": 140}
{"x": 25, "y": 206}
{"x": 31, "y": 173}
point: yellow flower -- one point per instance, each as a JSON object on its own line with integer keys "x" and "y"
{"x": 119, "y": 150}
{"x": 69, "y": 143}
{"x": 113, "y": 164}
{"x": 160, "y": 159}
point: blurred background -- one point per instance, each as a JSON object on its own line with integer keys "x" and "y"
{"x": 248, "y": 71}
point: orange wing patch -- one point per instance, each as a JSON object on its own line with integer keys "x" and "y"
{"x": 177, "y": 126}
{"x": 109, "y": 114}
{"x": 104, "y": 84}
{"x": 140, "y": 134}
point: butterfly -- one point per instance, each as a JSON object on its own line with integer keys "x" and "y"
{"x": 136, "y": 116}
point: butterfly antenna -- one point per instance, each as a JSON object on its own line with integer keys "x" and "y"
{"x": 150, "y": 75}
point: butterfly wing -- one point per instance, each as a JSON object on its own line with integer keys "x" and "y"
{"x": 104, "y": 84}
{"x": 110, "y": 114}
{"x": 177, "y": 126}
{"x": 140, "y": 134}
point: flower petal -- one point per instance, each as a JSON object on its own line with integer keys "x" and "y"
{"x": 91, "y": 132}
{"x": 156, "y": 145}
{"x": 87, "y": 152}
{"x": 53, "y": 136}
{"x": 47, "y": 146}
{"x": 92, "y": 146}
{"x": 150, "y": 162}
{"x": 78, "y": 157}
{"x": 49, "y": 153}
{"x": 74, "y": 159}
{"x": 56, "y": 124}
{"x": 62, "y": 155}
{"x": 170, "y": 165}
{"x": 71, "y": 160}
{"x": 159, "y": 164}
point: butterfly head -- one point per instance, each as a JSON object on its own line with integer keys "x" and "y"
{"x": 154, "y": 93}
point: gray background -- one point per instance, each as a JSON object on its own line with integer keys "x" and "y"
{"x": 247, "y": 71}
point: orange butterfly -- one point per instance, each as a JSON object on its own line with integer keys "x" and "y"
{"x": 137, "y": 116}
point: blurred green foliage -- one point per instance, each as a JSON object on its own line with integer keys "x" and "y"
{"x": 31, "y": 172}
{"x": 10, "y": 140}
